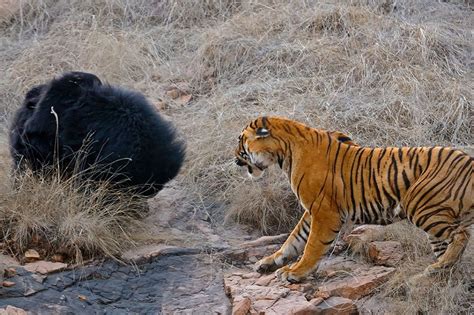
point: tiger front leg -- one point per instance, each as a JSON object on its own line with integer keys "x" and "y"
{"x": 325, "y": 226}
{"x": 292, "y": 247}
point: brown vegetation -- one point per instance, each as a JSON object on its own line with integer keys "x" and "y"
{"x": 385, "y": 72}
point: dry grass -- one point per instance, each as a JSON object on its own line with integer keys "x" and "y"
{"x": 449, "y": 292}
{"x": 385, "y": 72}
{"x": 76, "y": 219}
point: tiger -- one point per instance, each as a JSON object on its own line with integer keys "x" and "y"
{"x": 339, "y": 182}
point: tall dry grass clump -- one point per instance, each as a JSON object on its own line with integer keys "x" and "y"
{"x": 78, "y": 220}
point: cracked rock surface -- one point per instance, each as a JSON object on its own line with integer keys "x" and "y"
{"x": 168, "y": 284}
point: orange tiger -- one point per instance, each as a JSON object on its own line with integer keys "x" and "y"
{"x": 337, "y": 181}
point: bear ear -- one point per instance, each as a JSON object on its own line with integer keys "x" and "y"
{"x": 262, "y": 133}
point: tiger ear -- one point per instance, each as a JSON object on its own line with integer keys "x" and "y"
{"x": 262, "y": 133}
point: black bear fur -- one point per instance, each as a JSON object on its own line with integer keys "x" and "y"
{"x": 78, "y": 125}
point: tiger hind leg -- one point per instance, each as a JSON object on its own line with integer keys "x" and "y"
{"x": 437, "y": 246}
{"x": 291, "y": 249}
{"x": 456, "y": 245}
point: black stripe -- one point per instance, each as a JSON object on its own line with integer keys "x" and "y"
{"x": 464, "y": 180}
{"x": 441, "y": 232}
{"x": 416, "y": 165}
{"x": 405, "y": 180}
{"x": 306, "y": 228}
{"x": 352, "y": 186}
{"x": 382, "y": 154}
{"x": 420, "y": 220}
{"x": 290, "y": 162}
{"x": 335, "y": 158}
{"x": 298, "y": 187}
{"x": 377, "y": 190}
{"x": 411, "y": 155}
{"x": 375, "y": 212}
{"x": 298, "y": 237}
{"x": 300, "y": 133}
{"x": 294, "y": 248}
{"x": 392, "y": 202}
{"x": 435, "y": 224}
{"x": 342, "y": 166}
{"x": 358, "y": 167}
{"x": 430, "y": 189}
{"x": 327, "y": 242}
{"x": 302, "y": 236}
{"x": 430, "y": 151}
{"x": 397, "y": 190}
{"x": 329, "y": 143}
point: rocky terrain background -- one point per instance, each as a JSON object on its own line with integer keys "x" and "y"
{"x": 212, "y": 273}
{"x": 388, "y": 73}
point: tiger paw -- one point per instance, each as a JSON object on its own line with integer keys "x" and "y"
{"x": 265, "y": 265}
{"x": 287, "y": 273}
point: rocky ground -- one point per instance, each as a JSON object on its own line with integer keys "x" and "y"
{"x": 211, "y": 274}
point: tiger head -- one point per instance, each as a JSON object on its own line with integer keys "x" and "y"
{"x": 257, "y": 150}
{"x": 258, "y": 147}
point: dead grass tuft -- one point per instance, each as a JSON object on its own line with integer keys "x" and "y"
{"x": 265, "y": 205}
{"x": 77, "y": 219}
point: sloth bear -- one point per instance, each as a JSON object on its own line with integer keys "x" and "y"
{"x": 79, "y": 126}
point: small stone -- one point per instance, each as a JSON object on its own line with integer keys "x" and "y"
{"x": 184, "y": 99}
{"x": 12, "y": 310}
{"x": 265, "y": 280}
{"x": 364, "y": 234}
{"x": 242, "y": 307}
{"x": 9, "y": 272}
{"x": 251, "y": 275}
{"x": 57, "y": 258}
{"x": 31, "y": 255}
{"x": 45, "y": 267}
{"x": 388, "y": 253}
{"x": 294, "y": 286}
{"x": 8, "y": 284}
{"x": 336, "y": 306}
{"x": 307, "y": 309}
{"x": 82, "y": 297}
{"x": 173, "y": 93}
{"x": 316, "y": 301}
{"x": 321, "y": 295}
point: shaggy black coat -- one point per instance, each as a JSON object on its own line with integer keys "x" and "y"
{"x": 79, "y": 126}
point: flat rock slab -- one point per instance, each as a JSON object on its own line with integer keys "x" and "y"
{"x": 44, "y": 267}
{"x": 167, "y": 284}
{"x": 332, "y": 290}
